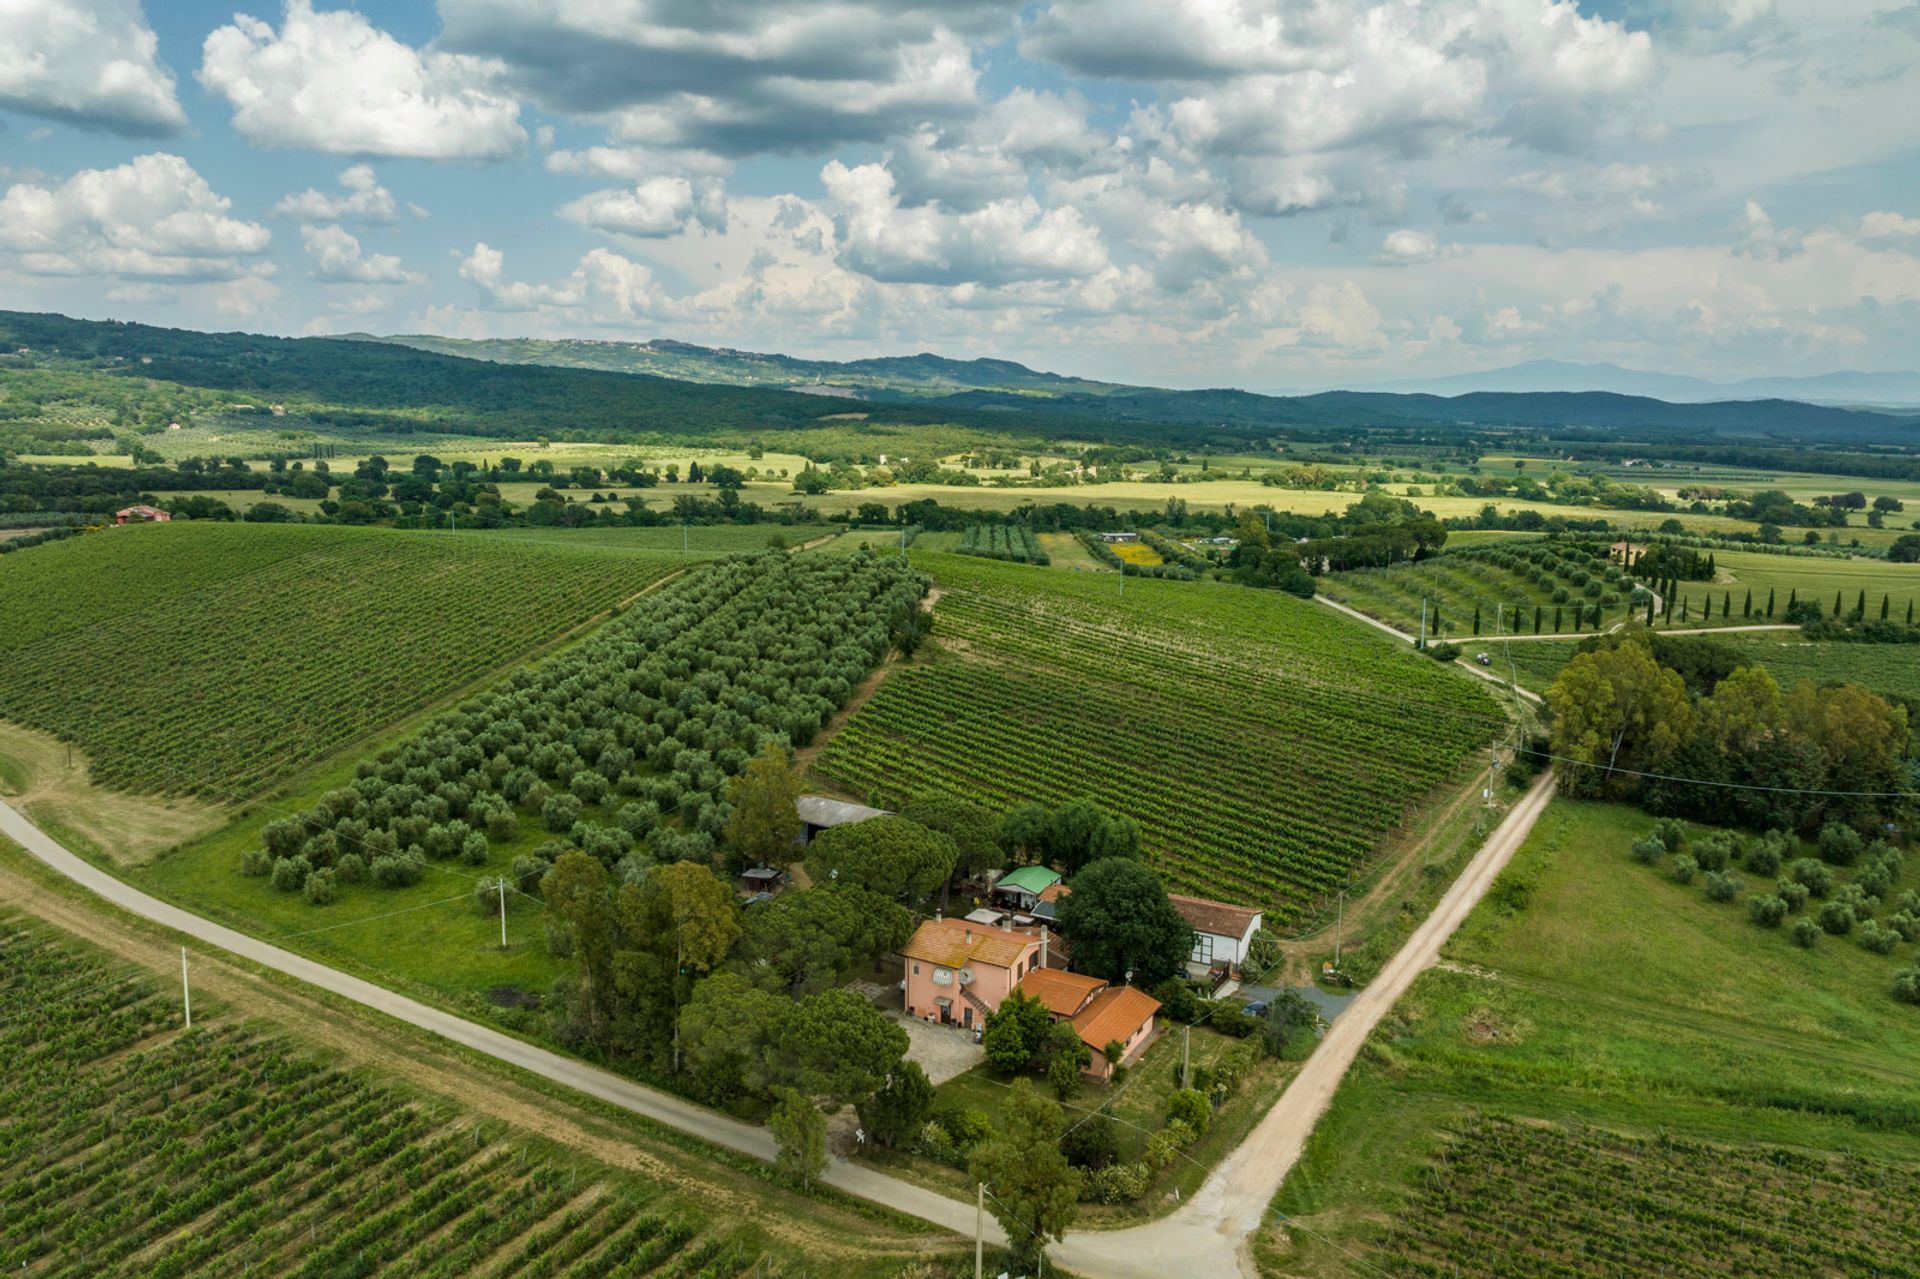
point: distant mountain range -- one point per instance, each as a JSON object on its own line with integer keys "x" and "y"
{"x": 1558, "y": 375}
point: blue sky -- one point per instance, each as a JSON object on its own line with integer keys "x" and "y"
{"x": 1263, "y": 193}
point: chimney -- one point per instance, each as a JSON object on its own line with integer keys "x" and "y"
{"x": 1043, "y": 948}
{"x": 969, "y": 936}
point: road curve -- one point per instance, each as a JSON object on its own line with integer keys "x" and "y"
{"x": 1209, "y": 1235}
{"x": 651, "y": 1103}
{"x": 1206, "y": 1237}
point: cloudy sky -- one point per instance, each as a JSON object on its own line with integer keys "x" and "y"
{"x": 1262, "y": 193}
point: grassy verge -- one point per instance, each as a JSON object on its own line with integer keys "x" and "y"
{"x": 1590, "y": 990}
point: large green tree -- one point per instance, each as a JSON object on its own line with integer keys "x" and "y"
{"x": 725, "y": 1032}
{"x": 1032, "y": 1191}
{"x": 765, "y": 820}
{"x": 800, "y": 1134}
{"x": 887, "y": 855}
{"x": 1616, "y": 709}
{"x": 834, "y": 1044}
{"x": 1120, "y": 922}
{"x": 896, "y": 1113}
{"x": 975, "y": 831}
{"x": 808, "y": 941}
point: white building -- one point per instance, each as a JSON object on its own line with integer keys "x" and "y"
{"x": 1221, "y": 933}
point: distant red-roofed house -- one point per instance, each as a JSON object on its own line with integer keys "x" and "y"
{"x": 1101, "y": 1013}
{"x": 141, "y": 515}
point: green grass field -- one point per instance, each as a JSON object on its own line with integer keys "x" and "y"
{"x": 1265, "y": 745}
{"x": 1591, "y": 996}
{"x": 1812, "y": 577}
{"x": 218, "y": 658}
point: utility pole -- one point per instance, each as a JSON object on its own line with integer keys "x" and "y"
{"x": 979, "y": 1229}
{"x": 1186, "y": 1059}
{"x": 1423, "y": 623}
{"x": 1339, "y": 927}
{"x": 186, "y": 993}
{"x": 503, "y": 912}
{"x": 1487, "y": 791}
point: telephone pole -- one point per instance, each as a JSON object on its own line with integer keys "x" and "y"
{"x": 1423, "y": 623}
{"x": 186, "y": 993}
{"x": 1339, "y": 927}
{"x": 1186, "y": 1059}
{"x": 503, "y": 912}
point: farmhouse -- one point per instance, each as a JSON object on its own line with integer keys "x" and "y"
{"x": 818, "y": 813}
{"x": 1101, "y": 1013}
{"x": 1221, "y": 933}
{"x": 1111, "y": 538}
{"x": 958, "y": 971}
{"x": 141, "y": 515}
{"x": 1022, "y": 889}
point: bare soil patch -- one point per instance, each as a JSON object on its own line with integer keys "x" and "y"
{"x": 130, "y": 830}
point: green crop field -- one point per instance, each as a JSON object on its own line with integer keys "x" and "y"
{"x": 1609, "y": 1075}
{"x": 133, "y": 1147}
{"x": 1499, "y": 581}
{"x": 1264, "y": 745}
{"x": 217, "y": 658}
{"x": 1814, "y": 578}
{"x": 1885, "y": 668}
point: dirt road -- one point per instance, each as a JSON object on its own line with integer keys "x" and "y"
{"x": 1405, "y": 638}
{"x": 1209, "y": 1236}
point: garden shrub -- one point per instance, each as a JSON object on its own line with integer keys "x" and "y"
{"x": 1877, "y": 938}
{"x": 1817, "y": 876}
{"x": 1722, "y": 887}
{"x": 1648, "y": 849}
{"x": 1836, "y": 919}
{"x": 1190, "y": 1106}
{"x": 318, "y": 889}
{"x": 1792, "y": 892}
{"x": 1768, "y": 912}
{"x": 1804, "y": 932}
{"x": 1840, "y": 844}
{"x": 1684, "y": 868}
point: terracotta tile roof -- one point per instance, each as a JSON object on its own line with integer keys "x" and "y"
{"x": 1064, "y": 994}
{"x": 1055, "y": 893}
{"x": 953, "y": 943}
{"x": 1217, "y": 918}
{"x": 1115, "y": 1013}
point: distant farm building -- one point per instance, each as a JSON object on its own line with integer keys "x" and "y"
{"x": 818, "y": 813}
{"x": 1221, "y": 933}
{"x": 1022, "y": 889}
{"x": 1111, "y": 538}
{"x": 141, "y": 515}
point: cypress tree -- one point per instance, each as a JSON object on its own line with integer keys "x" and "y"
{"x": 1476, "y": 618}
{"x": 1837, "y": 605}
{"x": 1713, "y": 569}
{"x": 1909, "y": 612}
{"x": 1649, "y": 612}
{"x": 1683, "y": 608}
{"x": 1793, "y": 597}
{"x": 1769, "y": 603}
{"x": 1860, "y": 605}
{"x": 1556, "y": 619}
{"x": 1706, "y": 609}
{"x": 1886, "y": 603}
{"x": 1746, "y": 609}
{"x": 1538, "y": 612}
{"x": 1726, "y": 605}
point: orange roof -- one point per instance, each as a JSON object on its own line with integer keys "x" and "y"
{"x": 1055, "y": 893}
{"x": 1115, "y": 1013}
{"x": 1063, "y": 993}
{"x": 953, "y": 943}
{"x": 1218, "y": 918}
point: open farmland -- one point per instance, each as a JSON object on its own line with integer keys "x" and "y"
{"x": 1884, "y": 668}
{"x": 1536, "y": 582}
{"x": 1608, "y": 1075}
{"x": 133, "y": 1147}
{"x": 215, "y": 659}
{"x": 1265, "y": 746}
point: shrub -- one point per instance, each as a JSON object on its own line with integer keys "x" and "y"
{"x": 1648, "y": 849}
{"x": 1190, "y": 1107}
{"x": 1840, "y": 844}
{"x": 588, "y": 786}
{"x": 318, "y": 888}
{"x": 1874, "y": 879}
{"x": 1122, "y": 1183}
{"x": 1722, "y": 887}
{"x": 1768, "y": 912}
{"x": 1804, "y": 932}
{"x": 486, "y": 897}
{"x": 967, "y": 1128}
{"x": 256, "y": 862}
{"x": 473, "y": 850}
{"x": 1877, "y": 938}
{"x": 290, "y": 873}
{"x": 1906, "y": 986}
{"x": 350, "y": 869}
{"x": 1443, "y": 652}
{"x": 1092, "y": 1143}
{"x": 1836, "y": 919}
{"x": 1684, "y": 868}
{"x": 1905, "y": 924}
{"x": 1792, "y": 892}
{"x": 502, "y": 825}
{"x": 559, "y": 813}
{"x": 528, "y": 872}
{"x": 397, "y": 871}
{"x": 1815, "y": 875}
{"x": 1712, "y": 852}
{"x": 1763, "y": 854}
{"x": 1672, "y": 832}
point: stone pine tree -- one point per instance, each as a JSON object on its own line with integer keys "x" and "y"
{"x": 1032, "y": 1191}
{"x": 765, "y": 821}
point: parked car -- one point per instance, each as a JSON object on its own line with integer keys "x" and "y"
{"x": 1256, "y": 1008}
{"x": 1483, "y": 659}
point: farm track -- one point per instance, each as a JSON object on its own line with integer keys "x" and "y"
{"x": 1207, "y": 1237}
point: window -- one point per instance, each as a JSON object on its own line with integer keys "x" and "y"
{"x": 1203, "y": 948}
{"x": 943, "y": 976}
{"x": 916, "y": 970}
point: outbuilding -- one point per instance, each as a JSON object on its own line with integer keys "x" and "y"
{"x": 141, "y": 515}
{"x": 818, "y": 813}
{"x": 1221, "y": 932}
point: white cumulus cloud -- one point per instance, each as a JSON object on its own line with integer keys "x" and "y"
{"x": 361, "y": 199}
{"x": 153, "y": 217}
{"x": 335, "y": 257}
{"x": 334, "y": 82}
{"x": 94, "y": 63}
{"x": 657, "y": 207}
